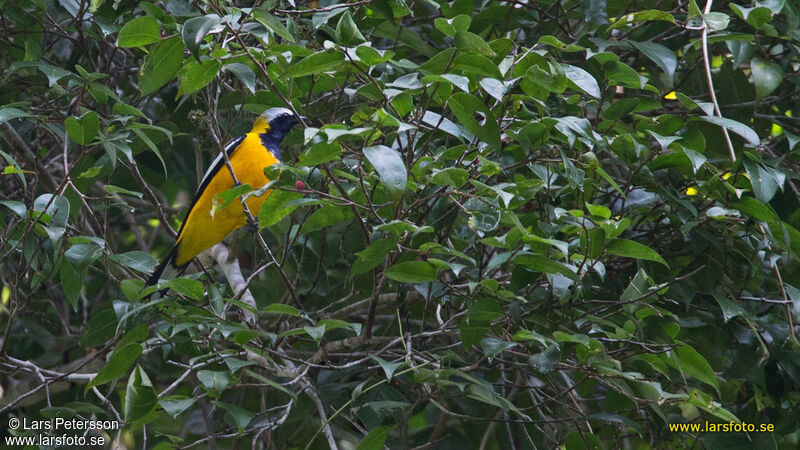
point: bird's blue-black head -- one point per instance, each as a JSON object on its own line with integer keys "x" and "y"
{"x": 272, "y": 126}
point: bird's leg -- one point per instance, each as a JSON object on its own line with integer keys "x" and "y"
{"x": 252, "y": 225}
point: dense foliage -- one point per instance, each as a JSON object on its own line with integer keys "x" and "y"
{"x": 505, "y": 224}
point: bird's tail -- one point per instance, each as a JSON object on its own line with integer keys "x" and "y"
{"x": 170, "y": 259}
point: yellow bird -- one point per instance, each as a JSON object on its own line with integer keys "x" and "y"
{"x": 249, "y": 156}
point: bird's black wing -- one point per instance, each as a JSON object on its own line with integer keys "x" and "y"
{"x": 216, "y": 166}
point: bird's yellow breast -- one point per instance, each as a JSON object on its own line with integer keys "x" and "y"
{"x": 202, "y": 231}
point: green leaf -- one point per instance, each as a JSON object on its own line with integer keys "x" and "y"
{"x": 150, "y": 144}
{"x": 138, "y": 32}
{"x": 122, "y": 360}
{"x": 131, "y": 288}
{"x": 737, "y": 127}
{"x": 730, "y": 308}
{"x": 695, "y": 365}
{"x": 140, "y": 396}
{"x": 557, "y": 43}
{"x": 71, "y": 283}
{"x": 483, "y": 216}
{"x": 594, "y": 11}
{"x": 17, "y": 207}
{"x": 226, "y": 197}
{"x": 492, "y": 346}
{"x": 326, "y": 216}
{"x": 476, "y": 64}
{"x": 196, "y": 75}
{"x": 493, "y": 87}
{"x": 755, "y": 17}
{"x": 390, "y": 167}
{"x": 273, "y": 23}
{"x": 765, "y": 180}
{"x": 741, "y": 51}
{"x": 465, "y": 40}
{"x": 276, "y": 206}
{"x": 136, "y": 260}
{"x": 82, "y": 130}
{"x": 315, "y": 64}
{"x": 175, "y": 405}
{"x": 464, "y": 106}
{"x": 412, "y": 272}
{"x": 316, "y": 333}
{"x": 452, "y": 176}
{"x": 8, "y": 113}
{"x": 706, "y": 403}
{"x": 214, "y": 381}
{"x": 767, "y": 76}
{"x": 111, "y": 189}
{"x": 405, "y": 35}
{"x": 695, "y": 158}
{"x": 478, "y": 319}
{"x": 642, "y": 16}
{"x": 582, "y": 339}
{"x": 621, "y": 74}
{"x": 245, "y": 74}
{"x": 757, "y": 210}
{"x": 57, "y": 207}
{"x": 375, "y": 439}
{"x": 389, "y": 368}
{"x": 716, "y": 21}
{"x": 456, "y": 80}
{"x": 195, "y": 30}
{"x": 450, "y": 27}
{"x": 280, "y": 308}
{"x": 321, "y": 152}
{"x": 81, "y": 255}
{"x": 662, "y": 56}
{"x": 371, "y": 56}
{"x": 53, "y": 73}
{"x": 594, "y": 242}
{"x": 102, "y": 326}
{"x": 539, "y": 263}
{"x": 633, "y": 249}
{"x": 277, "y": 387}
{"x": 582, "y": 80}
{"x": 374, "y": 254}
{"x": 191, "y": 288}
{"x": 161, "y": 65}
{"x": 545, "y": 361}
{"x": 241, "y": 417}
{"x": 347, "y": 32}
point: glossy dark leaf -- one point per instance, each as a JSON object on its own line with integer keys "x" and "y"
{"x": 82, "y": 130}
{"x": 161, "y": 65}
{"x": 412, "y": 272}
{"x": 375, "y": 439}
{"x": 464, "y": 106}
{"x": 138, "y": 32}
{"x": 390, "y": 167}
{"x": 195, "y": 30}
{"x": 316, "y": 63}
{"x": 122, "y": 360}
{"x": 140, "y": 396}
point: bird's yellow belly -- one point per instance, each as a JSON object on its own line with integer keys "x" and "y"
{"x": 203, "y": 231}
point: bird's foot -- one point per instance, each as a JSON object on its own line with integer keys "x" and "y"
{"x": 252, "y": 226}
